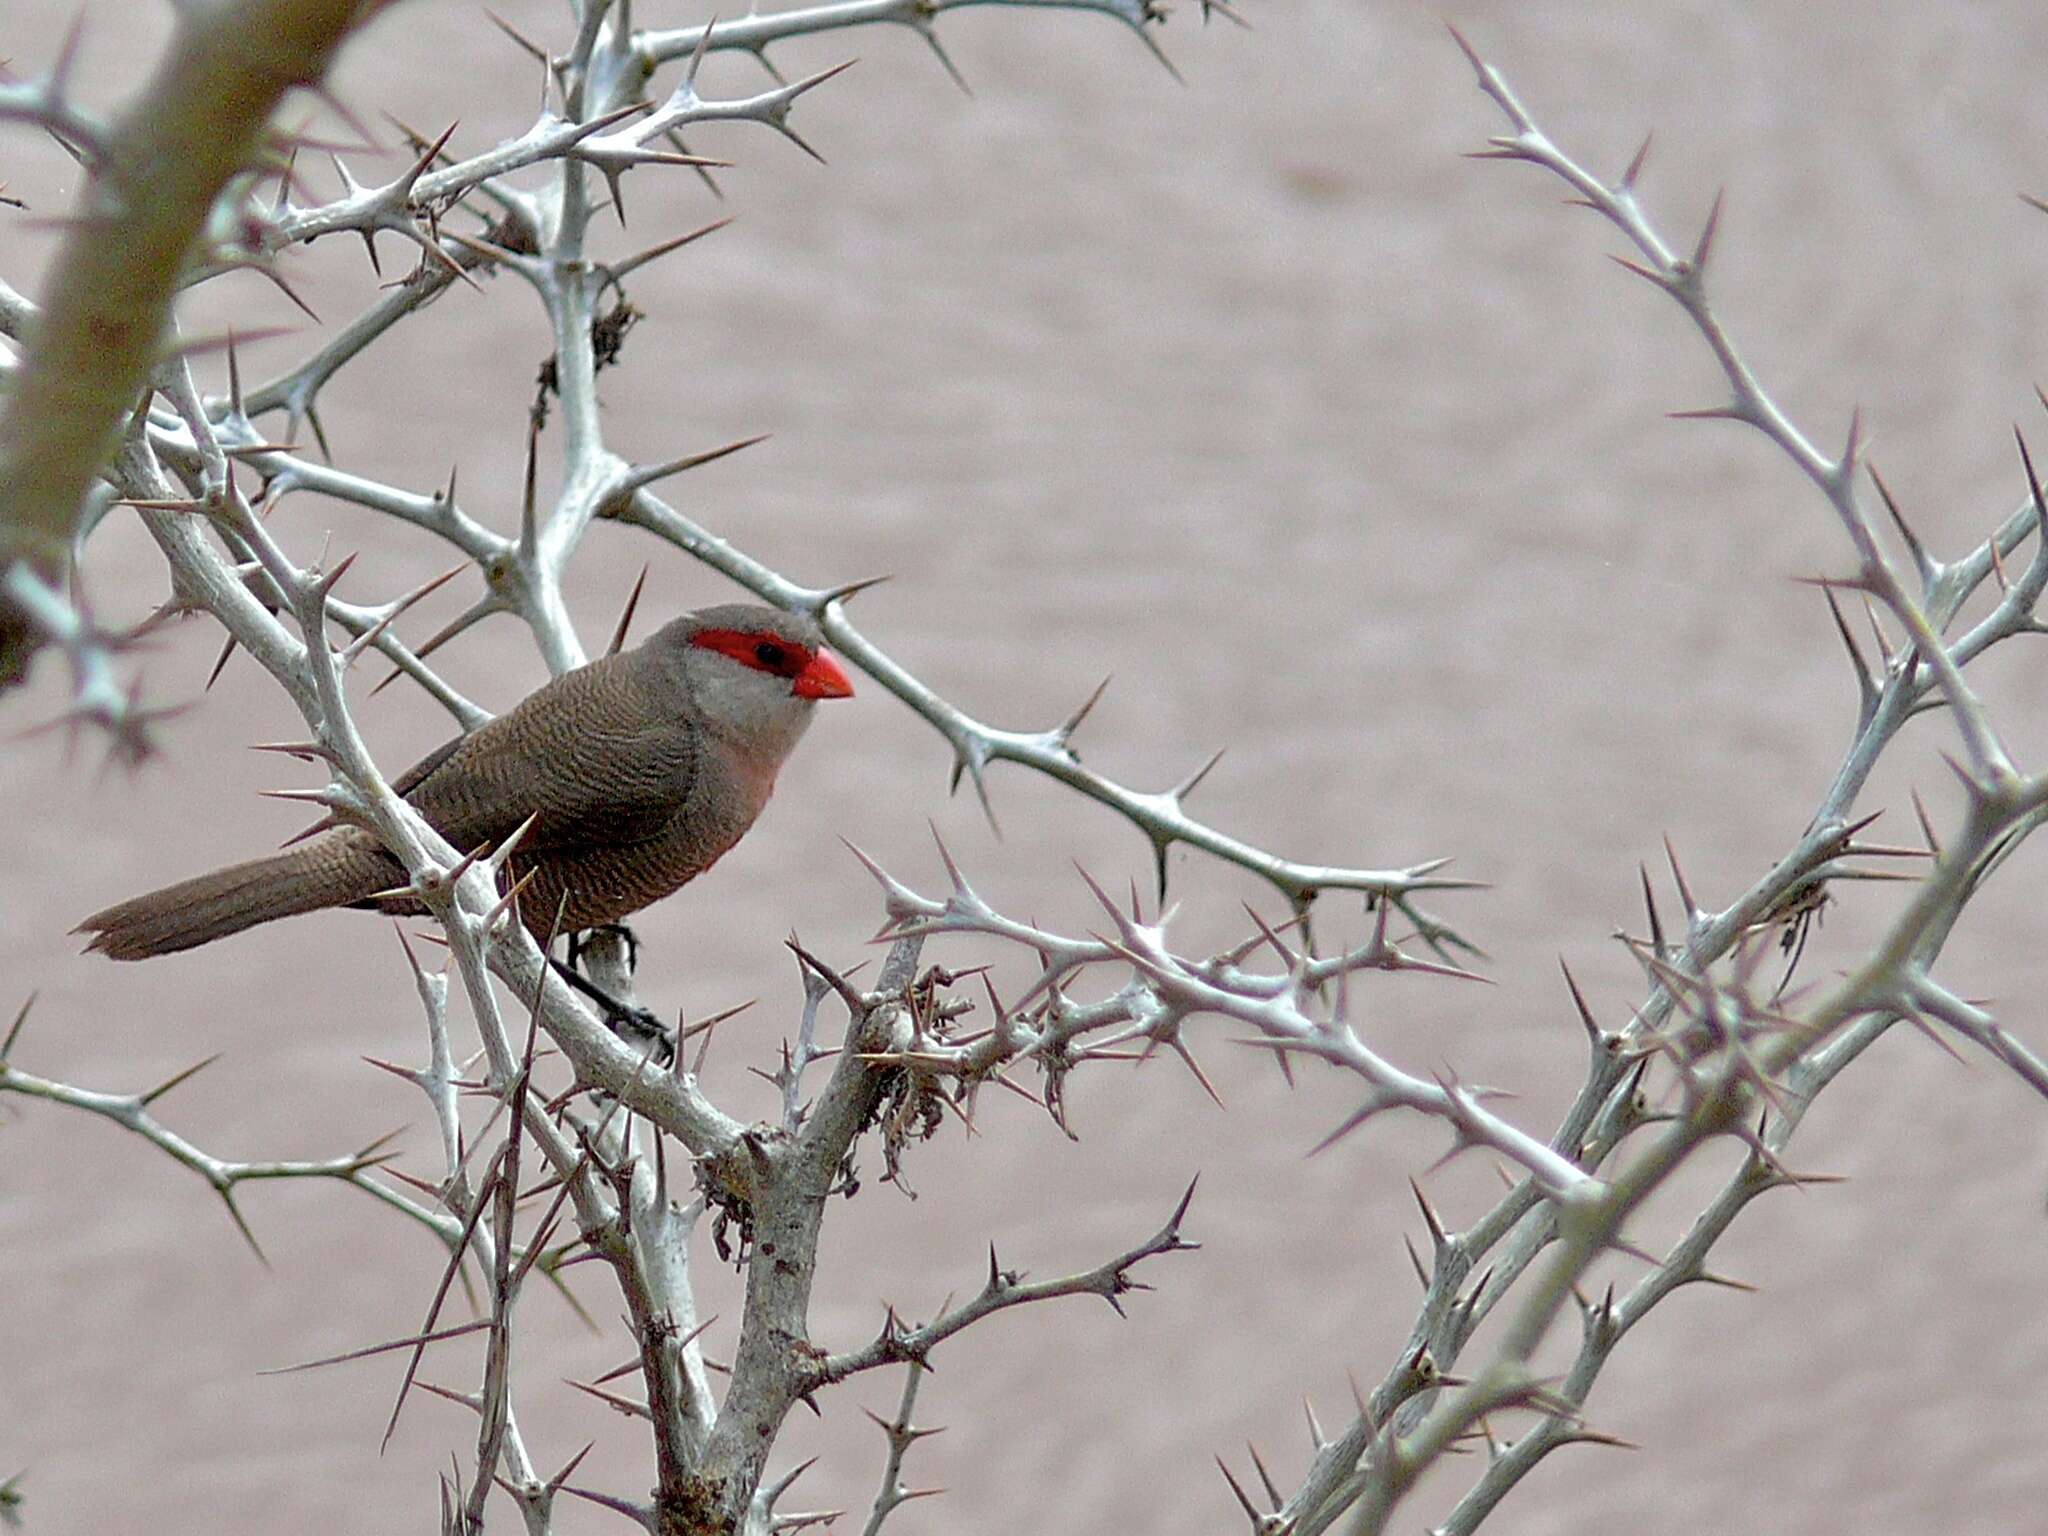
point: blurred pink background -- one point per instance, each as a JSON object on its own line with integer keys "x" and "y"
{"x": 1337, "y": 449}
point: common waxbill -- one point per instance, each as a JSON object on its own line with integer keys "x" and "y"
{"x": 644, "y": 767}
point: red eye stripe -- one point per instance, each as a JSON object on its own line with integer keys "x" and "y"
{"x": 763, "y": 650}
{"x": 812, "y": 674}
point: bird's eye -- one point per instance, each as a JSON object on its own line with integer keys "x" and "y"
{"x": 770, "y": 655}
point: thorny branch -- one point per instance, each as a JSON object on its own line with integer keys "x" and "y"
{"x": 133, "y": 1112}
{"x": 1714, "y": 1050}
{"x": 179, "y": 459}
{"x": 1051, "y": 1028}
{"x": 156, "y": 176}
{"x": 543, "y": 241}
{"x": 1002, "y": 1290}
{"x": 1732, "y": 1055}
{"x": 901, "y": 1434}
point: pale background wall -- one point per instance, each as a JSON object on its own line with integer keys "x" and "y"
{"x": 1332, "y": 446}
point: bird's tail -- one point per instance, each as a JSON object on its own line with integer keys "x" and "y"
{"x": 333, "y": 869}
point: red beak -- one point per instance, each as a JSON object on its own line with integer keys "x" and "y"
{"x": 822, "y": 678}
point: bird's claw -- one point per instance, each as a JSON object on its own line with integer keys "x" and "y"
{"x": 641, "y": 1029}
{"x": 637, "y": 1026}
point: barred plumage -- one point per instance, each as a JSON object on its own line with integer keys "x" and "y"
{"x": 643, "y": 768}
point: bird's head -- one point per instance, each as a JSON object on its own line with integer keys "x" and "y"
{"x": 753, "y": 673}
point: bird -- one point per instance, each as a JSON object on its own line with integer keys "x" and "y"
{"x": 641, "y": 770}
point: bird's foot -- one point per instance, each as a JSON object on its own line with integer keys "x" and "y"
{"x": 638, "y": 1027}
{"x": 643, "y": 1030}
{"x": 623, "y": 932}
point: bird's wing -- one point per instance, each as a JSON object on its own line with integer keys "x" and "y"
{"x": 600, "y": 761}
{"x": 404, "y": 785}
{"x": 412, "y": 778}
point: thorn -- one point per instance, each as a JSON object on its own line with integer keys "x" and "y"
{"x": 416, "y": 1340}
{"x": 483, "y": 248}
{"x": 1884, "y": 647}
{"x": 1705, "y": 246}
{"x": 959, "y": 881}
{"x": 839, "y": 594}
{"x": 1866, "y": 687}
{"x": 1641, "y": 271}
{"x": 227, "y": 1198}
{"x": 1251, "y": 1510}
{"x": 626, "y": 614}
{"x": 554, "y": 1484}
{"x": 1180, "y": 1211}
{"x": 426, "y": 158}
{"x": 1227, "y": 12}
{"x": 697, "y": 53}
{"x": 1852, "y": 445}
{"x": 2033, "y": 480}
{"x": 344, "y": 111}
{"x": 1187, "y": 1056}
{"x": 256, "y": 450}
{"x": 1921, "y": 562}
{"x": 1074, "y": 720}
{"x": 645, "y": 475}
{"x": 781, "y": 1485}
{"x": 1584, "y": 1436}
{"x": 173, "y": 1080}
{"x": 1429, "y": 1216}
{"x": 1102, "y": 897}
{"x": 509, "y": 902}
{"x": 523, "y": 41}
{"x": 323, "y": 585}
{"x": 529, "y": 527}
{"x": 1708, "y": 1277}
{"x": 276, "y": 280}
{"x": 1962, "y": 772}
{"x": 1187, "y": 785}
{"x": 235, "y": 411}
{"x": 1358, "y": 1401}
{"x": 1926, "y": 825}
{"x": 506, "y": 849}
{"x": 219, "y": 663}
{"x": 1594, "y": 1032}
{"x": 320, "y": 797}
{"x": 931, "y": 36}
{"x": 1478, "y": 68}
{"x": 1650, "y": 905}
{"x": 319, "y": 432}
{"x": 490, "y": 603}
{"x": 633, "y": 263}
{"x": 1635, "y": 166}
{"x": 14, "y": 1029}
{"x": 856, "y": 1004}
{"x": 1692, "y": 908}
{"x": 612, "y": 1400}
{"x": 1153, "y": 48}
{"x": 1415, "y": 1259}
{"x": 1265, "y": 1477}
{"x": 368, "y": 637}
{"x": 67, "y": 55}
{"x": 1351, "y": 1123}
